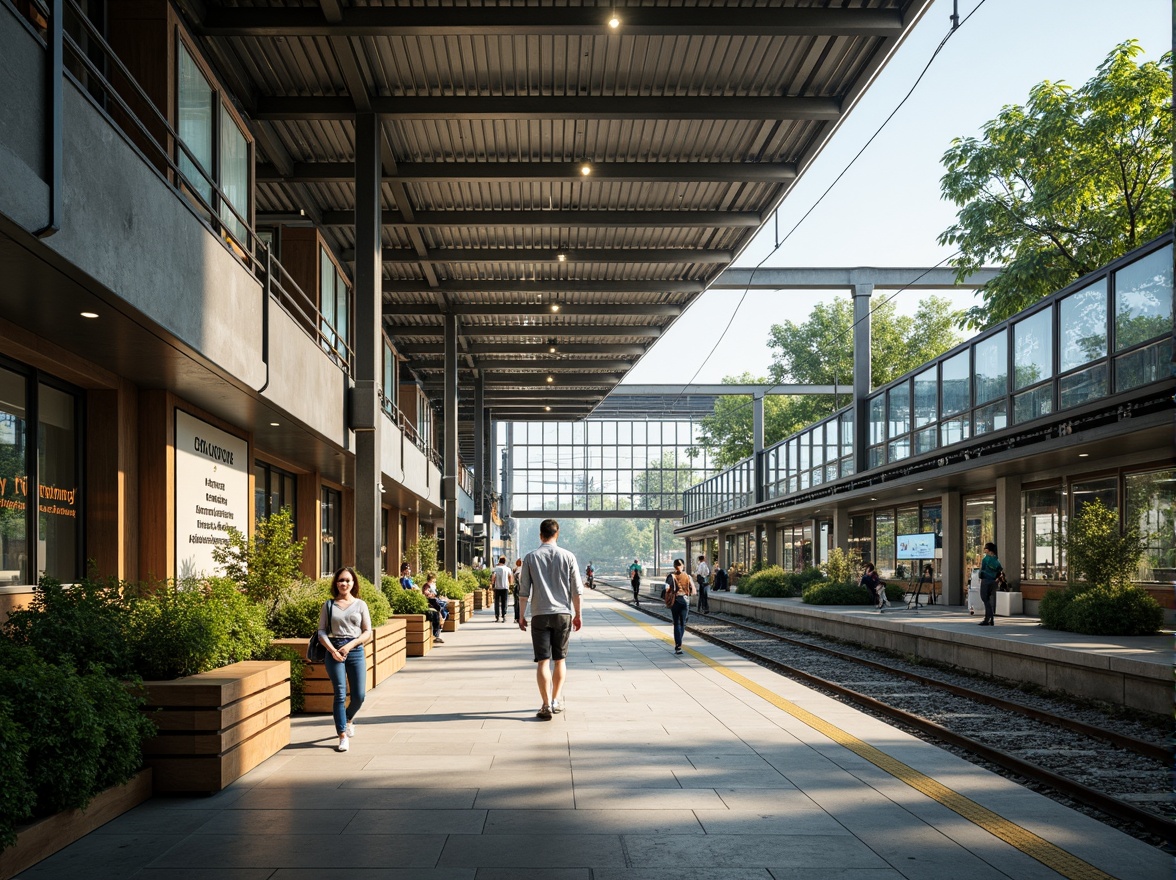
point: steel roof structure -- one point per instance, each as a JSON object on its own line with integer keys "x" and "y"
{"x": 558, "y": 188}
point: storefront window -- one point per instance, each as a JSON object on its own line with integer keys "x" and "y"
{"x": 1151, "y": 506}
{"x": 861, "y": 537}
{"x": 979, "y": 529}
{"x": 1043, "y": 516}
{"x": 58, "y": 493}
{"x": 332, "y": 530}
{"x": 1105, "y": 490}
{"x": 14, "y": 469}
{"x": 884, "y": 542}
{"x": 274, "y": 489}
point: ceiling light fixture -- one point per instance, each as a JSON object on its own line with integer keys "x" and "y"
{"x": 563, "y": 258}
{"x": 585, "y": 169}
{"x": 547, "y": 409}
{"x": 89, "y": 314}
{"x": 555, "y": 307}
{"x": 1084, "y": 455}
{"x": 550, "y": 379}
{"x": 613, "y": 21}
{"x": 274, "y": 425}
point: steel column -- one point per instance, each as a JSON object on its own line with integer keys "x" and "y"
{"x": 861, "y": 376}
{"x": 757, "y": 443}
{"x": 368, "y": 348}
{"x": 449, "y": 482}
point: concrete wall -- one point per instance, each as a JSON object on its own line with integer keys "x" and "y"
{"x": 121, "y": 222}
{"x": 405, "y": 464}
{"x": 303, "y": 381}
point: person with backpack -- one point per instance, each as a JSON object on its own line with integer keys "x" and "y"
{"x": 990, "y": 572}
{"x": 635, "y": 572}
{"x": 676, "y": 594}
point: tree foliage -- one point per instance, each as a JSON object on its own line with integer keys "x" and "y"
{"x": 268, "y": 563}
{"x": 1064, "y": 184}
{"x": 819, "y": 351}
{"x": 1098, "y": 550}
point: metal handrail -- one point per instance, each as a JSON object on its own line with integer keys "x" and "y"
{"x": 252, "y": 254}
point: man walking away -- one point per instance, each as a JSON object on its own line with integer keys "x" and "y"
{"x": 635, "y": 573}
{"x": 550, "y": 581}
{"x": 700, "y": 575}
{"x": 502, "y": 578}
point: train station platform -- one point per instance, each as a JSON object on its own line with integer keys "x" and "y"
{"x": 695, "y": 767}
{"x": 1133, "y": 671}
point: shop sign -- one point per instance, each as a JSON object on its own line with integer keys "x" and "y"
{"x": 212, "y": 493}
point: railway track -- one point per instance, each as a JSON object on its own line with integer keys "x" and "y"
{"x": 1121, "y": 773}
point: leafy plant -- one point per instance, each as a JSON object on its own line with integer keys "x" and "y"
{"x": 841, "y": 565}
{"x": 192, "y": 627}
{"x": 266, "y": 564}
{"x": 297, "y": 672}
{"x": 846, "y": 593}
{"x": 81, "y": 624}
{"x": 775, "y": 582}
{"x": 17, "y": 797}
{"x": 297, "y": 613}
{"x": 422, "y": 553}
{"x": 466, "y": 581}
{"x": 448, "y": 586}
{"x": 1097, "y": 550}
{"x": 1105, "y": 610}
{"x": 484, "y": 577}
{"x": 409, "y": 602}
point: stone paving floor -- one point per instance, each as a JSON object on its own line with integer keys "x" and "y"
{"x": 661, "y": 768}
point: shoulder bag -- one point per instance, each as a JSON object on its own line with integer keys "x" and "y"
{"x": 315, "y": 650}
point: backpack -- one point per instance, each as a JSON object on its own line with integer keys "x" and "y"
{"x": 671, "y": 596}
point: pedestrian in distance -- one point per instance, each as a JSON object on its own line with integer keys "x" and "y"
{"x": 590, "y": 576}
{"x": 502, "y": 579}
{"x": 514, "y": 587}
{"x": 677, "y": 592}
{"x": 345, "y": 626}
{"x": 876, "y": 586}
{"x": 635, "y": 572}
{"x": 990, "y": 570}
{"x": 550, "y": 583}
{"x": 702, "y": 575}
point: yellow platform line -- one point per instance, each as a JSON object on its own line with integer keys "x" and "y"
{"x": 1052, "y": 856}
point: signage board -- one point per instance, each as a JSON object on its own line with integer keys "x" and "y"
{"x": 212, "y": 493}
{"x": 916, "y": 546}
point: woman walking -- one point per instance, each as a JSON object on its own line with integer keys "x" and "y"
{"x": 990, "y": 569}
{"x": 345, "y": 625}
{"x": 677, "y": 592}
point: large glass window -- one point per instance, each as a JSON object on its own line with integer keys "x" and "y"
{"x": 861, "y": 537}
{"x": 274, "y": 489}
{"x": 1043, "y": 516}
{"x": 1105, "y": 490}
{"x": 331, "y": 531}
{"x": 899, "y": 409}
{"x": 195, "y": 128}
{"x": 877, "y": 419}
{"x": 1082, "y": 326}
{"x": 1143, "y": 299}
{"x": 234, "y": 173}
{"x": 1032, "y": 349}
{"x": 979, "y": 529}
{"x": 992, "y": 368}
{"x": 59, "y": 488}
{"x": 884, "y": 543}
{"x": 14, "y": 470}
{"x": 926, "y": 397}
{"x": 957, "y": 384}
{"x": 1151, "y": 505}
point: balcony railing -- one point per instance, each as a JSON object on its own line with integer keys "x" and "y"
{"x": 409, "y": 430}
{"x": 1108, "y": 333}
{"x": 98, "y": 72}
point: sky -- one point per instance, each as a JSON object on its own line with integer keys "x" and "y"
{"x": 887, "y": 210}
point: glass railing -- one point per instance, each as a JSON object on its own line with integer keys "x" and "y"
{"x": 98, "y": 72}
{"x": 1108, "y": 333}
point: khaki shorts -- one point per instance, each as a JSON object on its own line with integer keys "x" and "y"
{"x": 550, "y": 634}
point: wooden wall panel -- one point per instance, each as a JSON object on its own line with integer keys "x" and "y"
{"x": 309, "y": 518}
{"x": 157, "y": 484}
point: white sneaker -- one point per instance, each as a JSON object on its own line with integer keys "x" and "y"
{"x": 351, "y": 728}
{"x": 344, "y": 743}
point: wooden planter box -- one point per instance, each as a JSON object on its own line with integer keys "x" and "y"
{"x": 418, "y": 635}
{"x": 389, "y": 648}
{"x": 319, "y": 693}
{"x": 217, "y": 726}
{"x": 44, "y": 837}
{"x": 480, "y": 600}
{"x": 456, "y": 616}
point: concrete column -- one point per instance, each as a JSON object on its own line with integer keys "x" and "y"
{"x": 368, "y": 345}
{"x": 449, "y": 454}
{"x": 773, "y": 535}
{"x": 757, "y": 552}
{"x": 480, "y": 445}
{"x": 841, "y": 528}
{"x": 488, "y": 473}
{"x": 1008, "y": 527}
{"x": 862, "y": 384}
{"x": 724, "y": 557}
{"x": 955, "y": 583}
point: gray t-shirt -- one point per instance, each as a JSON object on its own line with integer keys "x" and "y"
{"x": 502, "y": 576}
{"x": 348, "y": 623}
{"x": 549, "y": 579}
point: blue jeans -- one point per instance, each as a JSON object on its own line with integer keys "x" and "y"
{"x": 681, "y": 611}
{"x": 351, "y": 672}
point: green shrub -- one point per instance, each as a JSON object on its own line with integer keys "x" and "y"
{"x": 297, "y": 672}
{"x": 124, "y": 727}
{"x": 807, "y": 576}
{"x": 17, "y": 797}
{"x": 389, "y": 585}
{"x": 770, "y": 583}
{"x": 1102, "y": 610}
{"x": 81, "y": 624}
{"x": 467, "y": 581}
{"x": 409, "y": 602}
{"x": 297, "y": 613}
{"x": 846, "y": 593}
{"x": 841, "y": 565}
{"x": 192, "y": 627}
{"x": 484, "y": 577}
{"x": 448, "y": 586}
{"x": 1097, "y": 550}
{"x": 422, "y": 553}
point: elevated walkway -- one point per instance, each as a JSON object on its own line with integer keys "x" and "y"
{"x": 703, "y": 766}
{"x": 1134, "y": 671}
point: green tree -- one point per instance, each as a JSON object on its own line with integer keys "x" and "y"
{"x": 1098, "y": 550}
{"x": 819, "y": 351}
{"x": 1065, "y": 184}
{"x": 265, "y": 565}
{"x": 663, "y": 477}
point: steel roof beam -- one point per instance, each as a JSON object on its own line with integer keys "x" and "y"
{"x": 529, "y": 108}
{"x": 529, "y": 331}
{"x": 406, "y": 21}
{"x": 511, "y": 172}
{"x": 503, "y": 382}
{"x": 554, "y": 286}
{"x": 512, "y": 363}
{"x": 553, "y": 219}
{"x": 506, "y": 349}
{"x": 565, "y": 309}
{"x": 552, "y": 255}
